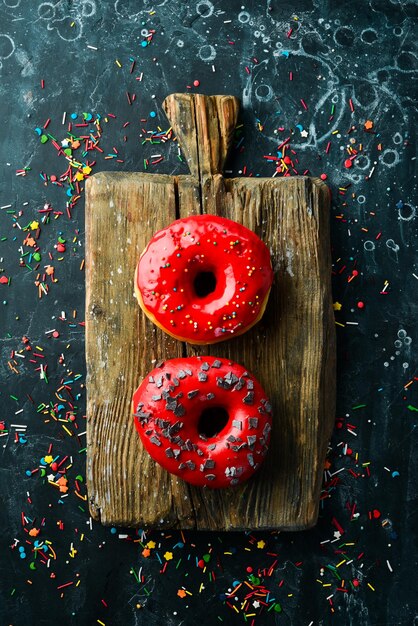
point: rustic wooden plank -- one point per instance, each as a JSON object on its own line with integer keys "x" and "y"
{"x": 291, "y": 351}
{"x": 124, "y": 484}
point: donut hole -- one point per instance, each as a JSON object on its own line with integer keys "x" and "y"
{"x": 211, "y": 421}
{"x": 204, "y": 283}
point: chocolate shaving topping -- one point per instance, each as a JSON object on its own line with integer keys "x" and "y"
{"x": 249, "y": 398}
{"x": 171, "y": 404}
{"x": 154, "y": 439}
{"x": 169, "y": 453}
{"x": 202, "y": 377}
{"x": 240, "y": 384}
{"x": 217, "y": 364}
{"x": 266, "y": 429}
{"x": 205, "y": 366}
{"x": 210, "y": 476}
{"x": 253, "y": 422}
{"x": 179, "y": 411}
{"x": 237, "y": 424}
{"x": 192, "y": 394}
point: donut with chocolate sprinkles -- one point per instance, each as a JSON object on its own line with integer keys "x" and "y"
{"x": 204, "y": 419}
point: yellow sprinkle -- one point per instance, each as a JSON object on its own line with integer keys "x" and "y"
{"x": 68, "y": 431}
{"x": 118, "y": 63}
{"x": 371, "y": 587}
{"x": 101, "y": 623}
{"x": 341, "y": 562}
{"x": 339, "y": 324}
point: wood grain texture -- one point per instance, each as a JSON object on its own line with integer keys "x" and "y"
{"x": 291, "y": 351}
{"x": 204, "y": 126}
{"x": 124, "y": 485}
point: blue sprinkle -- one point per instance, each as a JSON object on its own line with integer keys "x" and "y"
{"x": 153, "y": 114}
{"x": 144, "y": 44}
{"x": 74, "y": 116}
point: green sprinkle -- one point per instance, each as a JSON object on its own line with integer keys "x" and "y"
{"x": 359, "y": 406}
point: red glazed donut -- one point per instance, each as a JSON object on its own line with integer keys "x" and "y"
{"x": 205, "y": 419}
{"x": 204, "y": 278}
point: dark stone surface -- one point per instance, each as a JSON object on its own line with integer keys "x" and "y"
{"x": 359, "y": 51}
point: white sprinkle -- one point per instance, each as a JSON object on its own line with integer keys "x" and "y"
{"x": 387, "y": 469}
{"x": 64, "y": 115}
{"x": 352, "y": 323}
{"x": 326, "y": 541}
{"x": 6, "y": 206}
{"x": 22, "y": 426}
{"x": 389, "y": 566}
{"x": 122, "y": 536}
{"x": 352, "y": 432}
{"x": 91, "y": 47}
{"x": 213, "y": 68}
{"x": 415, "y": 276}
{"x": 338, "y": 471}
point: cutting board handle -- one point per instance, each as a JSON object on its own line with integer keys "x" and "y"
{"x": 204, "y": 126}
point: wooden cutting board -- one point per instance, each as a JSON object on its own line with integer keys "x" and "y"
{"x": 291, "y": 351}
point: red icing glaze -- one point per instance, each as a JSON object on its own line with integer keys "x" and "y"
{"x": 207, "y": 420}
{"x": 204, "y": 278}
